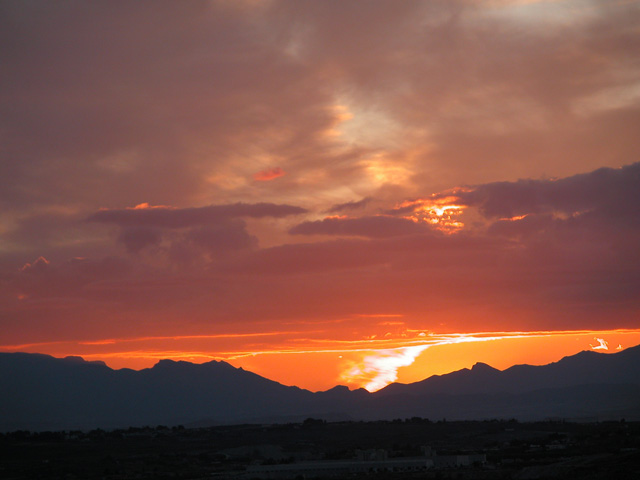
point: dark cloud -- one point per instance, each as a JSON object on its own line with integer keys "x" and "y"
{"x": 374, "y": 227}
{"x": 190, "y": 235}
{"x": 348, "y": 206}
{"x": 289, "y": 259}
{"x": 527, "y": 226}
{"x": 168, "y": 217}
{"x": 137, "y": 238}
{"x": 41, "y": 279}
{"x": 217, "y": 239}
{"x": 205, "y": 233}
{"x": 614, "y": 192}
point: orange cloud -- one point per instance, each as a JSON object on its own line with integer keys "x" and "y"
{"x": 443, "y": 213}
{"x": 39, "y": 264}
{"x": 269, "y": 174}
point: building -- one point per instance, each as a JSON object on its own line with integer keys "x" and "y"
{"x": 336, "y": 468}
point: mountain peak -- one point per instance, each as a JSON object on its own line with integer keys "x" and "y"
{"x": 168, "y": 363}
{"x": 79, "y": 360}
{"x": 483, "y": 367}
{"x": 338, "y": 388}
{"x": 74, "y": 358}
{"x": 165, "y": 363}
{"x": 175, "y": 392}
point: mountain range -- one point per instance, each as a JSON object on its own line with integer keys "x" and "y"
{"x": 40, "y": 392}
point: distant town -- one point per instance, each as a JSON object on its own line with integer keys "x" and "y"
{"x": 402, "y": 448}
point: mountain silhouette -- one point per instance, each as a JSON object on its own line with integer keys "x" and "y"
{"x": 41, "y": 392}
{"x": 584, "y": 368}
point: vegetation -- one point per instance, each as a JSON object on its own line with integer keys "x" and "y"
{"x": 526, "y": 450}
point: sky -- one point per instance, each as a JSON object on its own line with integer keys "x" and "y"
{"x": 321, "y": 192}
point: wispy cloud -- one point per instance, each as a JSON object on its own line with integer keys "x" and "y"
{"x": 353, "y": 205}
{"x": 380, "y": 369}
{"x": 269, "y": 174}
{"x": 602, "y": 344}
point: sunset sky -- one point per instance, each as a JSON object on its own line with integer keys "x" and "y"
{"x": 321, "y": 192}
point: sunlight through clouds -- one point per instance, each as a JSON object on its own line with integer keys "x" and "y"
{"x": 380, "y": 369}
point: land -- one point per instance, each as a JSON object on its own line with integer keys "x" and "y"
{"x": 511, "y": 449}
{"x": 48, "y": 394}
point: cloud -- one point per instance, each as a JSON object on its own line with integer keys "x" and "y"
{"x": 115, "y": 118}
{"x": 269, "y": 174}
{"x": 189, "y": 244}
{"x": 68, "y": 281}
{"x": 523, "y": 226}
{"x": 381, "y": 368}
{"x": 170, "y": 217}
{"x": 354, "y": 205}
{"x": 373, "y": 227}
{"x": 115, "y": 122}
{"x": 137, "y": 238}
{"x": 214, "y": 229}
{"x": 331, "y": 256}
{"x": 602, "y": 344}
{"x": 606, "y": 191}
{"x": 40, "y": 265}
{"x": 225, "y": 237}
{"x": 182, "y": 104}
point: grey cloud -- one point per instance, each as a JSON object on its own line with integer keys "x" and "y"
{"x": 211, "y": 230}
{"x": 527, "y": 226}
{"x": 609, "y": 191}
{"x": 44, "y": 279}
{"x": 324, "y": 257}
{"x": 217, "y": 239}
{"x": 167, "y": 217}
{"x": 374, "y": 227}
{"x": 348, "y": 206}
{"x": 137, "y": 238}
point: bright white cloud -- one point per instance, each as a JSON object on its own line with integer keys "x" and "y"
{"x": 602, "y": 344}
{"x": 381, "y": 368}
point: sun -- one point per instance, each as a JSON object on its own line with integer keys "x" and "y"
{"x": 441, "y": 212}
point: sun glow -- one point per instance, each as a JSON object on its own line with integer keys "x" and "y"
{"x": 380, "y": 369}
{"x": 432, "y": 354}
{"x": 370, "y": 361}
{"x": 384, "y": 171}
{"x": 443, "y": 213}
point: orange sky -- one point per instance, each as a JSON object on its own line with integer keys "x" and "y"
{"x": 372, "y": 363}
{"x": 320, "y": 192}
